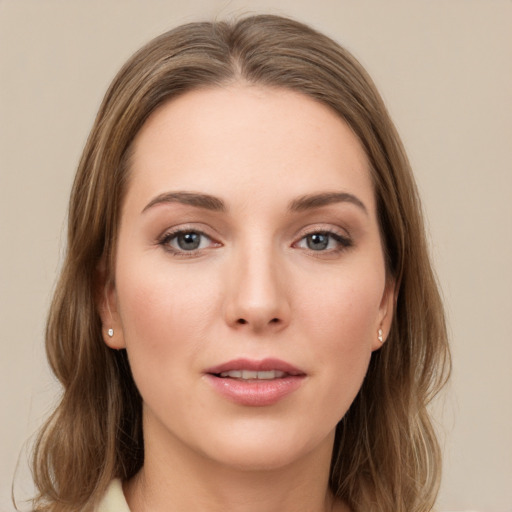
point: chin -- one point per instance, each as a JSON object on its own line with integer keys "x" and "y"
{"x": 257, "y": 460}
{"x": 267, "y": 449}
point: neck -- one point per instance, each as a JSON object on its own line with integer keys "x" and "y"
{"x": 180, "y": 480}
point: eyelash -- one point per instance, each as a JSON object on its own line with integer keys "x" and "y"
{"x": 343, "y": 242}
{"x": 169, "y": 236}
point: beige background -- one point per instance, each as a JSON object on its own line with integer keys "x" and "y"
{"x": 445, "y": 69}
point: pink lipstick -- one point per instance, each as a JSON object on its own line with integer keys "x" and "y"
{"x": 255, "y": 383}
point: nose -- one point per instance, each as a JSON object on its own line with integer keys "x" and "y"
{"x": 257, "y": 298}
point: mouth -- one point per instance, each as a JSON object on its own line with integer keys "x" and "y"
{"x": 252, "y": 375}
{"x": 255, "y": 383}
{"x": 247, "y": 369}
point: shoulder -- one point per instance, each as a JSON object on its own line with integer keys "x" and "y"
{"x": 113, "y": 500}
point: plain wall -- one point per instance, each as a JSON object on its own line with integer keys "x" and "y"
{"x": 444, "y": 68}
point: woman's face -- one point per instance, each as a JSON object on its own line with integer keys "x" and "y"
{"x": 249, "y": 279}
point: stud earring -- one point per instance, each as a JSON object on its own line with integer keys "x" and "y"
{"x": 380, "y": 337}
{"x": 110, "y": 332}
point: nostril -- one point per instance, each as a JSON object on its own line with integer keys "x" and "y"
{"x": 243, "y": 321}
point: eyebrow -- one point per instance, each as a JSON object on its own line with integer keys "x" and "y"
{"x": 205, "y": 201}
{"x": 311, "y": 201}
{"x": 212, "y": 203}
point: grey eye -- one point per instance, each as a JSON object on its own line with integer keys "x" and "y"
{"x": 188, "y": 241}
{"x": 318, "y": 241}
{"x": 324, "y": 241}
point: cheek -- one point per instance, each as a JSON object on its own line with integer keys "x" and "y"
{"x": 161, "y": 312}
{"x": 342, "y": 321}
{"x": 165, "y": 323}
{"x": 346, "y": 309}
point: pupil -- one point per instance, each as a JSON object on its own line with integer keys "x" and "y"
{"x": 189, "y": 241}
{"x": 317, "y": 242}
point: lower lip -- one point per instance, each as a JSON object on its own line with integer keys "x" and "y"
{"x": 255, "y": 393}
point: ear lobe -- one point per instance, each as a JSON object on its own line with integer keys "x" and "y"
{"x": 106, "y": 304}
{"x": 385, "y": 316}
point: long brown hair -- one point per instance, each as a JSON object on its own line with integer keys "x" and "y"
{"x": 386, "y": 457}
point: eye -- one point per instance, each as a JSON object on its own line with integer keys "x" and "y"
{"x": 186, "y": 241}
{"x": 324, "y": 241}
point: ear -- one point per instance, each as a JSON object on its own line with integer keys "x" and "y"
{"x": 106, "y": 303}
{"x": 385, "y": 315}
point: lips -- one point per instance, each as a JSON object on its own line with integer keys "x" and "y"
{"x": 255, "y": 383}
{"x": 265, "y": 365}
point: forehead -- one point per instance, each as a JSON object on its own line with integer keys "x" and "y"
{"x": 245, "y": 139}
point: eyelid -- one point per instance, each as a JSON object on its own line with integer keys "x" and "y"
{"x": 171, "y": 233}
{"x": 311, "y": 229}
{"x": 341, "y": 236}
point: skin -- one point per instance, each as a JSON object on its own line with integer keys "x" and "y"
{"x": 257, "y": 287}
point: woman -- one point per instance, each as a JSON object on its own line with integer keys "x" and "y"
{"x": 247, "y": 317}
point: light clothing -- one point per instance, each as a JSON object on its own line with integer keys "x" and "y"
{"x": 114, "y": 500}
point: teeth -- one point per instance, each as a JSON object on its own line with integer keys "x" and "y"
{"x": 234, "y": 374}
{"x": 253, "y": 375}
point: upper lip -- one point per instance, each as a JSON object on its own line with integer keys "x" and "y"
{"x": 255, "y": 365}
